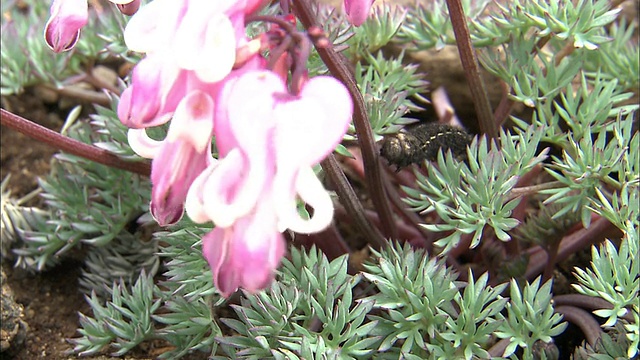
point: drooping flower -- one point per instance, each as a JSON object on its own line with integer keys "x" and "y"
{"x": 245, "y": 254}
{"x": 62, "y": 30}
{"x": 67, "y": 17}
{"x": 204, "y": 77}
{"x": 180, "y": 158}
{"x": 357, "y": 10}
{"x": 268, "y": 140}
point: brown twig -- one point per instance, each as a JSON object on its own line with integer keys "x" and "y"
{"x": 587, "y": 302}
{"x": 469, "y": 61}
{"x": 570, "y": 244}
{"x": 93, "y": 97}
{"x": 585, "y": 321}
{"x": 349, "y": 200}
{"x": 70, "y": 145}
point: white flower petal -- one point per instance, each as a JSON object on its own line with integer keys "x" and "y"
{"x": 142, "y": 144}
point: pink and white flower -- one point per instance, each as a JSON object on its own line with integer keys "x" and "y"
{"x": 268, "y": 140}
{"x": 206, "y": 79}
{"x": 62, "y": 30}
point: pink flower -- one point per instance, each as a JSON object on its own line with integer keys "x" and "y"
{"x": 62, "y": 31}
{"x": 157, "y": 88}
{"x": 193, "y": 35}
{"x": 268, "y": 140}
{"x": 180, "y": 158}
{"x": 245, "y": 254}
{"x": 63, "y": 27}
{"x": 357, "y": 10}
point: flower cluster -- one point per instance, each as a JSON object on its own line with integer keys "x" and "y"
{"x": 208, "y": 80}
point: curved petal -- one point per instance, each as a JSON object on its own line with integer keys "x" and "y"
{"x": 311, "y": 191}
{"x": 62, "y": 30}
{"x": 193, "y": 121}
{"x": 310, "y": 127}
{"x": 196, "y": 198}
{"x": 219, "y": 51}
{"x": 357, "y": 10}
{"x": 142, "y": 144}
{"x": 173, "y": 170}
{"x": 153, "y": 26}
{"x": 166, "y": 215}
{"x": 156, "y": 89}
{"x": 206, "y": 44}
{"x": 215, "y": 247}
{"x": 129, "y": 7}
{"x": 233, "y": 189}
{"x": 246, "y": 254}
{"x": 257, "y": 249}
{"x": 250, "y": 105}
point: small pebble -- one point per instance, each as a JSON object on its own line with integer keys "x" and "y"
{"x": 105, "y": 74}
{"x": 47, "y": 95}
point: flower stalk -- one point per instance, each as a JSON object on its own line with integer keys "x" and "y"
{"x": 72, "y": 146}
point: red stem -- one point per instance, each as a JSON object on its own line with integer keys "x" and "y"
{"x": 472, "y": 70}
{"x": 571, "y": 244}
{"x": 349, "y": 200}
{"x": 587, "y": 302}
{"x": 336, "y": 64}
{"x": 585, "y": 321}
{"x": 69, "y": 145}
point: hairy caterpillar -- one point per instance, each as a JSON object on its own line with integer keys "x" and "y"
{"x": 420, "y": 142}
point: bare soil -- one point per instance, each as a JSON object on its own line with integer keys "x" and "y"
{"x": 51, "y": 299}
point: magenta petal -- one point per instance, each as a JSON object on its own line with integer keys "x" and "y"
{"x": 247, "y": 254}
{"x": 214, "y": 248}
{"x": 166, "y": 214}
{"x": 129, "y": 8}
{"x": 63, "y": 27}
{"x": 172, "y": 172}
{"x": 156, "y": 89}
{"x": 357, "y": 10}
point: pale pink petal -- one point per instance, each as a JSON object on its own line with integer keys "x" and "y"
{"x": 234, "y": 104}
{"x": 193, "y": 121}
{"x": 142, "y": 144}
{"x": 250, "y": 105}
{"x": 153, "y": 26}
{"x": 243, "y": 133}
{"x": 233, "y": 190}
{"x": 205, "y": 43}
{"x": 310, "y": 128}
{"x": 311, "y": 191}
{"x": 196, "y": 197}
{"x": 219, "y": 52}
{"x": 62, "y": 30}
